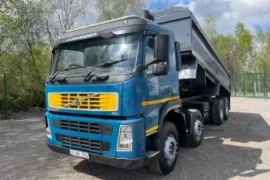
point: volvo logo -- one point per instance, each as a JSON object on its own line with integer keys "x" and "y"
{"x": 77, "y": 101}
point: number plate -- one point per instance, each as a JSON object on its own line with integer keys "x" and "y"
{"x": 79, "y": 154}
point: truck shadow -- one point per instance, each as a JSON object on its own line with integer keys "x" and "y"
{"x": 242, "y": 127}
{"x": 224, "y": 153}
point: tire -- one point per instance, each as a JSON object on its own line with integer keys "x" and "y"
{"x": 195, "y": 137}
{"x": 217, "y": 112}
{"x": 226, "y": 108}
{"x": 165, "y": 161}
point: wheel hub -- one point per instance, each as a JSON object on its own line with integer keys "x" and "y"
{"x": 198, "y": 128}
{"x": 170, "y": 149}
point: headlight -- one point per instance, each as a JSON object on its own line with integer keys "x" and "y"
{"x": 125, "y": 138}
{"x": 48, "y": 129}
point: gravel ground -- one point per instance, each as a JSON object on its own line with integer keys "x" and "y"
{"x": 240, "y": 149}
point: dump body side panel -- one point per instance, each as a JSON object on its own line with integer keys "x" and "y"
{"x": 192, "y": 39}
{"x": 181, "y": 31}
{"x": 208, "y": 60}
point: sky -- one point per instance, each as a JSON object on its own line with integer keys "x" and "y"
{"x": 226, "y": 12}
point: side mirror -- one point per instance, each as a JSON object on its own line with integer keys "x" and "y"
{"x": 159, "y": 69}
{"x": 162, "y": 44}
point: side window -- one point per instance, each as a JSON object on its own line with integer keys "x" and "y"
{"x": 149, "y": 53}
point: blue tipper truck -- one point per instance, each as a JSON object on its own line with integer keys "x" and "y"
{"x": 128, "y": 92}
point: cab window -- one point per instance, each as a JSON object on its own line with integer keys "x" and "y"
{"x": 149, "y": 53}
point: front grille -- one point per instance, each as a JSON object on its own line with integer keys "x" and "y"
{"x": 84, "y": 101}
{"x": 86, "y": 127}
{"x": 82, "y": 143}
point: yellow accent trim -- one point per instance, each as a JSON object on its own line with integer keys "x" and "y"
{"x": 157, "y": 101}
{"x": 175, "y": 97}
{"x": 147, "y": 131}
{"x": 84, "y": 101}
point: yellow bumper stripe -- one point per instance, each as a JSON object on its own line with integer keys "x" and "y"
{"x": 157, "y": 101}
{"x": 154, "y": 128}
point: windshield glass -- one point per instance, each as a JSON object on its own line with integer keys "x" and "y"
{"x": 83, "y": 56}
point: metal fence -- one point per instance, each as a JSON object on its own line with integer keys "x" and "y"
{"x": 3, "y": 96}
{"x": 251, "y": 85}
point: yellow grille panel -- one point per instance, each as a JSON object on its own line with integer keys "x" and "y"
{"x": 84, "y": 101}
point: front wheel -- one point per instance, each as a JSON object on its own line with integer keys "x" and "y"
{"x": 164, "y": 163}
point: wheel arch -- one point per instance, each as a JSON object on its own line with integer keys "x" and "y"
{"x": 171, "y": 112}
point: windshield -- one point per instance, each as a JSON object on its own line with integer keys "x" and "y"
{"x": 80, "y": 57}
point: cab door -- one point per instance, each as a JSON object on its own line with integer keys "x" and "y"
{"x": 155, "y": 89}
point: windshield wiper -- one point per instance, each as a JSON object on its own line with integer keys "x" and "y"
{"x": 89, "y": 75}
{"x": 52, "y": 77}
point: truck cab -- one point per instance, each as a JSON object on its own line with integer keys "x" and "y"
{"x": 113, "y": 96}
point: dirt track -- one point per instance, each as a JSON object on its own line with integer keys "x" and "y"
{"x": 240, "y": 149}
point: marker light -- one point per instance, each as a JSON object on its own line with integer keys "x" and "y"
{"x": 125, "y": 138}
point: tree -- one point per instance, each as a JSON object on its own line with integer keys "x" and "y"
{"x": 224, "y": 44}
{"x": 260, "y": 53}
{"x": 235, "y": 50}
{"x": 209, "y": 27}
{"x": 25, "y": 54}
{"x": 225, "y": 47}
{"x": 243, "y": 47}
{"x": 5, "y": 27}
{"x": 63, "y": 15}
{"x": 111, "y": 9}
{"x": 265, "y": 62}
{"x": 259, "y": 38}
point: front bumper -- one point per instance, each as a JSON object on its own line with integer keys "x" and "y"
{"x": 138, "y": 146}
{"x": 111, "y": 161}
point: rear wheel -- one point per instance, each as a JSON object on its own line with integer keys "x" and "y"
{"x": 195, "y": 137}
{"x": 164, "y": 163}
{"x": 217, "y": 111}
{"x": 226, "y": 108}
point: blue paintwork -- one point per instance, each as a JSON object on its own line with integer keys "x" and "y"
{"x": 132, "y": 92}
{"x": 131, "y": 97}
{"x": 157, "y": 87}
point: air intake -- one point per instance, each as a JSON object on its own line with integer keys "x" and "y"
{"x": 147, "y": 15}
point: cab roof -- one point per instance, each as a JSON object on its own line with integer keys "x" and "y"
{"x": 127, "y": 24}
